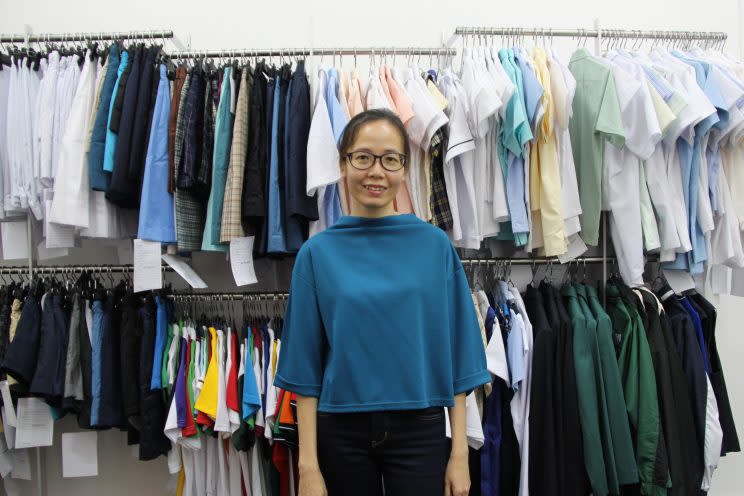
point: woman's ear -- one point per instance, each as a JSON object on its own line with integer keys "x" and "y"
{"x": 342, "y": 166}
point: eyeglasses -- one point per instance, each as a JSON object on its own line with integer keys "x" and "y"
{"x": 364, "y": 160}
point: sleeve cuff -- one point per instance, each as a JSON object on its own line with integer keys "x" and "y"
{"x": 472, "y": 381}
{"x": 301, "y": 389}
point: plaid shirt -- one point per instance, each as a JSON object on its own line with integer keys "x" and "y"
{"x": 175, "y": 105}
{"x": 438, "y": 201}
{"x": 189, "y": 211}
{"x": 232, "y": 226}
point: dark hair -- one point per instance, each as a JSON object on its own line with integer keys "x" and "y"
{"x": 352, "y": 128}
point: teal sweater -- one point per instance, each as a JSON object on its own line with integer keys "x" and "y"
{"x": 380, "y": 317}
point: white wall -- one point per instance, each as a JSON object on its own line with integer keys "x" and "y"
{"x": 272, "y": 24}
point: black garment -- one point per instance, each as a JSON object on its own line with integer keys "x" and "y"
{"x": 675, "y": 409}
{"x": 49, "y": 376}
{"x": 110, "y": 412}
{"x": 121, "y": 90}
{"x": 193, "y": 132}
{"x": 122, "y": 190}
{"x": 263, "y": 235}
{"x": 298, "y": 129}
{"x": 572, "y": 469}
{"x": 204, "y": 177}
{"x": 129, "y": 350}
{"x": 6, "y": 302}
{"x": 86, "y": 365}
{"x": 725, "y": 415}
{"x": 688, "y": 351}
{"x": 23, "y": 351}
{"x": 407, "y": 449}
{"x": 544, "y": 473}
{"x": 145, "y": 105}
{"x": 253, "y": 196}
{"x": 153, "y": 442}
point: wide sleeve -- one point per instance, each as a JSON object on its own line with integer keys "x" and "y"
{"x": 301, "y": 361}
{"x": 468, "y": 354}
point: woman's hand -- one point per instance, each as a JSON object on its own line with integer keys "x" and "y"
{"x": 457, "y": 477}
{"x": 312, "y": 483}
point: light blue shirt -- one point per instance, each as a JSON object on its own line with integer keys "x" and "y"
{"x": 156, "y": 216}
{"x": 276, "y": 242}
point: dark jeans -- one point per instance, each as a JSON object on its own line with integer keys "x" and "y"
{"x": 406, "y": 451}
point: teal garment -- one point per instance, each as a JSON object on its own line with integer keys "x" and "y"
{"x": 588, "y": 385}
{"x": 514, "y": 134}
{"x": 220, "y": 162}
{"x": 380, "y": 317}
{"x": 111, "y": 137}
{"x": 625, "y": 465}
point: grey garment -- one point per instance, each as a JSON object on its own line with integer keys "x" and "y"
{"x": 73, "y": 370}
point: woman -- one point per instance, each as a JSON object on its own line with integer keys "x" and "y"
{"x": 379, "y": 335}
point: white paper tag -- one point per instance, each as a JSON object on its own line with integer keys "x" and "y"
{"x": 80, "y": 454}
{"x": 21, "y": 464}
{"x": 8, "y": 430}
{"x": 679, "y": 280}
{"x": 147, "y": 271}
{"x": 10, "y": 414}
{"x": 35, "y": 424}
{"x": 241, "y": 260}
{"x": 15, "y": 240}
{"x": 185, "y": 270}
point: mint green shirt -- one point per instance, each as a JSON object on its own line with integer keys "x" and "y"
{"x": 596, "y": 117}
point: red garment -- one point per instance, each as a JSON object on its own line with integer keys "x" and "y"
{"x": 280, "y": 457}
{"x": 232, "y": 375}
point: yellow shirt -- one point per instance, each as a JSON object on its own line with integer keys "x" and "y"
{"x": 545, "y": 174}
{"x": 207, "y": 401}
{"x": 663, "y": 112}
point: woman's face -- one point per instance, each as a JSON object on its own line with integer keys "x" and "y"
{"x": 373, "y": 190}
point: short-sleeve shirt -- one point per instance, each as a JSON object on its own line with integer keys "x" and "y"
{"x": 596, "y": 117}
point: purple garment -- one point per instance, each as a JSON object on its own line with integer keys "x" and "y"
{"x": 181, "y": 403}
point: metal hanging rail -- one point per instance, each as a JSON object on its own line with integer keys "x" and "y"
{"x": 248, "y": 296}
{"x": 533, "y": 261}
{"x": 72, "y": 269}
{"x": 305, "y": 52}
{"x": 592, "y": 33}
{"x": 92, "y": 36}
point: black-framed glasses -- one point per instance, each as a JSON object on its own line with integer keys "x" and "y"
{"x": 364, "y": 160}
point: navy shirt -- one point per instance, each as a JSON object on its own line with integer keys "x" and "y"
{"x": 380, "y": 317}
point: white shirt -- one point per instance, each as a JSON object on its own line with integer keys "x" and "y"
{"x": 520, "y": 403}
{"x": 322, "y": 154}
{"x": 488, "y": 181}
{"x": 458, "y": 165}
{"x": 72, "y": 189}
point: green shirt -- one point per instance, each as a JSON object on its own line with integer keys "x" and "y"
{"x": 622, "y": 443}
{"x": 596, "y": 117}
{"x": 588, "y": 386}
{"x": 639, "y": 385}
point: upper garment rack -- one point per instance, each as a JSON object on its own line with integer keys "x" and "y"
{"x": 92, "y": 36}
{"x": 715, "y": 37}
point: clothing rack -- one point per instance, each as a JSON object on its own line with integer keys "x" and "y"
{"x": 593, "y": 33}
{"x": 72, "y": 269}
{"x": 216, "y": 297}
{"x": 533, "y": 261}
{"x": 304, "y": 52}
{"x": 93, "y": 36}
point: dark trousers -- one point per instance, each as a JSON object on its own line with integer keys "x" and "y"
{"x": 404, "y": 451}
